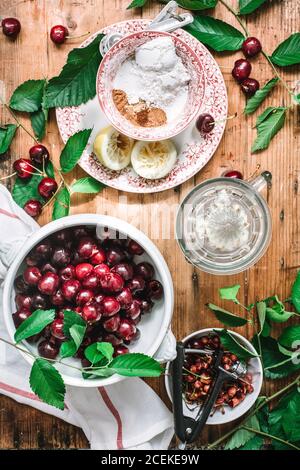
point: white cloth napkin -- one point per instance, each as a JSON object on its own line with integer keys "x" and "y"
{"x": 126, "y": 415}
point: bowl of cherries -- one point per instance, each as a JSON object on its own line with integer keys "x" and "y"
{"x": 105, "y": 270}
{"x": 236, "y": 396}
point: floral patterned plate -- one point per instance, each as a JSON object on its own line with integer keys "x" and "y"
{"x": 194, "y": 150}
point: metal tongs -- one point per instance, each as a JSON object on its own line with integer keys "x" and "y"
{"x": 167, "y": 21}
{"x": 188, "y": 429}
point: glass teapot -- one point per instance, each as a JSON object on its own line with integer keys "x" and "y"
{"x": 224, "y": 225}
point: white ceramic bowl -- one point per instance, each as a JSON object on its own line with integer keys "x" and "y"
{"x": 108, "y": 70}
{"x": 254, "y": 367}
{"x": 153, "y": 327}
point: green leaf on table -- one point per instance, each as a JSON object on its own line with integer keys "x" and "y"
{"x": 275, "y": 310}
{"x": 255, "y": 443}
{"x": 73, "y": 150}
{"x": 38, "y": 123}
{"x": 287, "y": 415}
{"x": 50, "y": 169}
{"x": 70, "y": 319}
{"x": 61, "y": 206}
{"x": 216, "y": 34}
{"x": 229, "y": 293}
{"x": 28, "y": 96}
{"x": 255, "y": 101}
{"x": 7, "y": 133}
{"x": 137, "y": 4}
{"x": 97, "y": 351}
{"x": 288, "y": 52}
{"x": 232, "y": 345}
{"x": 261, "y": 313}
{"x": 76, "y": 84}
{"x": 136, "y": 365}
{"x": 295, "y": 295}
{"x": 267, "y": 125}
{"x": 47, "y": 383}
{"x": 242, "y": 436}
{"x": 228, "y": 318}
{"x": 34, "y": 324}
{"x": 87, "y": 185}
{"x": 197, "y": 4}
{"x": 23, "y": 190}
{"x": 276, "y": 364}
{"x": 69, "y": 348}
{"x": 248, "y": 6}
{"x": 290, "y": 337}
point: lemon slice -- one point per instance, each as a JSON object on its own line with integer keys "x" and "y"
{"x": 153, "y": 160}
{"x": 113, "y": 149}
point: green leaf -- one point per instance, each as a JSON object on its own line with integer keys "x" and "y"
{"x": 229, "y": 293}
{"x": 73, "y": 149}
{"x": 261, "y": 312}
{"x": 216, "y": 34}
{"x": 69, "y": 348}
{"x": 242, "y": 436}
{"x": 266, "y": 331}
{"x": 288, "y": 52}
{"x": 136, "y": 365}
{"x": 232, "y": 345}
{"x": 97, "y": 351}
{"x": 106, "y": 349}
{"x": 279, "y": 364}
{"x": 297, "y": 98}
{"x": 290, "y": 337}
{"x": 87, "y": 185}
{"x": 38, "y": 123}
{"x": 255, "y": 443}
{"x": 268, "y": 128}
{"x": 287, "y": 415}
{"x": 7, "y": 133}
{"x": 256, "y": 100}
{"x": 275, "y": 310}
{"x": 226, "y": 317}
{"x": 296, "y": 293}
{"x": 101, "y": 372}
{"x": 61, "y": 205}
{"x": 137, "y": 4}
{"x": 28, "y": 96}
{"x": 47, "y": 383}
{"x": 248, "y": 6}
{"x": 50, "y": 169}
{"x": 76, "y": 84}
{"x": 197, "y": 4}
{"x": 34, "y": 324}
{"x": 70, "y": 319}
{"x": 23, "y": 190}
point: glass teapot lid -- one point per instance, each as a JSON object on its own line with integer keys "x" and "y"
{"x": 223, "y": 225}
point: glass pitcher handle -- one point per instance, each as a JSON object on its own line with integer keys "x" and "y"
{"x": 260, "y": 182}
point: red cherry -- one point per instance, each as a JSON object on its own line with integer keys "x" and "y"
{"x": 99, "y": 298}
{"x": 99, "y": 257}
{"x": 48, "y": 284}
{"x": 134, "y": 248}
{"x": 133, "y": 310}
{"x": 11, "y": 27}
{"x": 20, "y": 285}
{"x": 251, "y": 47}
{"x": 47, "y": 187}
{"x": 86, "y": 248}
{"x": 155, "y": 289}
{"x": 32, "y": 275}
{"x": 146, "y": 270}
{"x": 112, "y": 339}
{"x": 91, "y": 312}
{"x": 23, "y": 301}
{"x": 101, "y": 269}
{"x": 61, "y": 256}
{"x": 127, "y": 329}
{"x": 20, "y": 316}
{"x": 58, "y": 34}
{"x": 112, "y": 323}
{"x": 67, "y": 273}
{"x": 84, "y": 296}
{"x": 39, "y": 154}
{"x": 48, "y": 349}
{"x": 250, "y": 86}
{"x": 124, "y": 297}
{"x": 48, "y": 267}
{"x": 136, "y": 284}
{"x": 110, "y": 306}
{"x": 112, "y": 282}
{"x": 39, "y": 302}
{"x": 114, "y": 255}
{"x": 91, "y": 281}
{"x": 124, "y": 269}
{"x": 233, "y": 174}
{"x": 120, "y": 350}
{"x": 57, "y": 329}
{"x": 58, "y": 299}
{"x": 205, "y": 123}
{"x": 33, "y": 208}
{"x": 82, "y": 270}
{"x": 146, "y": 305}
{"x": 70, "y": 289}
{"x": 23, "y": 168}
{"x": 241, "y": 70}
{"x": 43, "y": 250}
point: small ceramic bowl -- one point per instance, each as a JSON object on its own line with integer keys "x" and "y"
{"x": 153, "y": 327}
{"x": 107, "y": 72}
{"x": 253, "y": 366}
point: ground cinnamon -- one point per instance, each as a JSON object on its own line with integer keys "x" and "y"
{"x": 140, "y": 114}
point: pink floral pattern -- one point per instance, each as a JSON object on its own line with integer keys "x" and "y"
{"x": 194, "y": 150}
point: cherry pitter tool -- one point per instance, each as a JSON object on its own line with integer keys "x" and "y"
{"x": 188, "y": 429}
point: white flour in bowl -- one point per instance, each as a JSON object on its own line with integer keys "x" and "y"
{"x": 155, "y": 75}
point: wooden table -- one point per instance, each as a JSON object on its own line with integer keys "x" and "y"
{"x": 33, "y": 55}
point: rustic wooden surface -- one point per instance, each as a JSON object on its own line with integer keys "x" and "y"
{"x": 33, "y": 55}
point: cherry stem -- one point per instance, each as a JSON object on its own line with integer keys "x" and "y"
{"x": 17, "y": 121}
{"x": 218, "y": 121}
{"x": 9, "y": 176}
{"x": 54, "y": 195}
{"x": 77, "y": 37}
{"x": 229, "y": 8}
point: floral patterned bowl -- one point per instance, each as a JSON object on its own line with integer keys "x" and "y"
{"x": 107, "y": 72}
